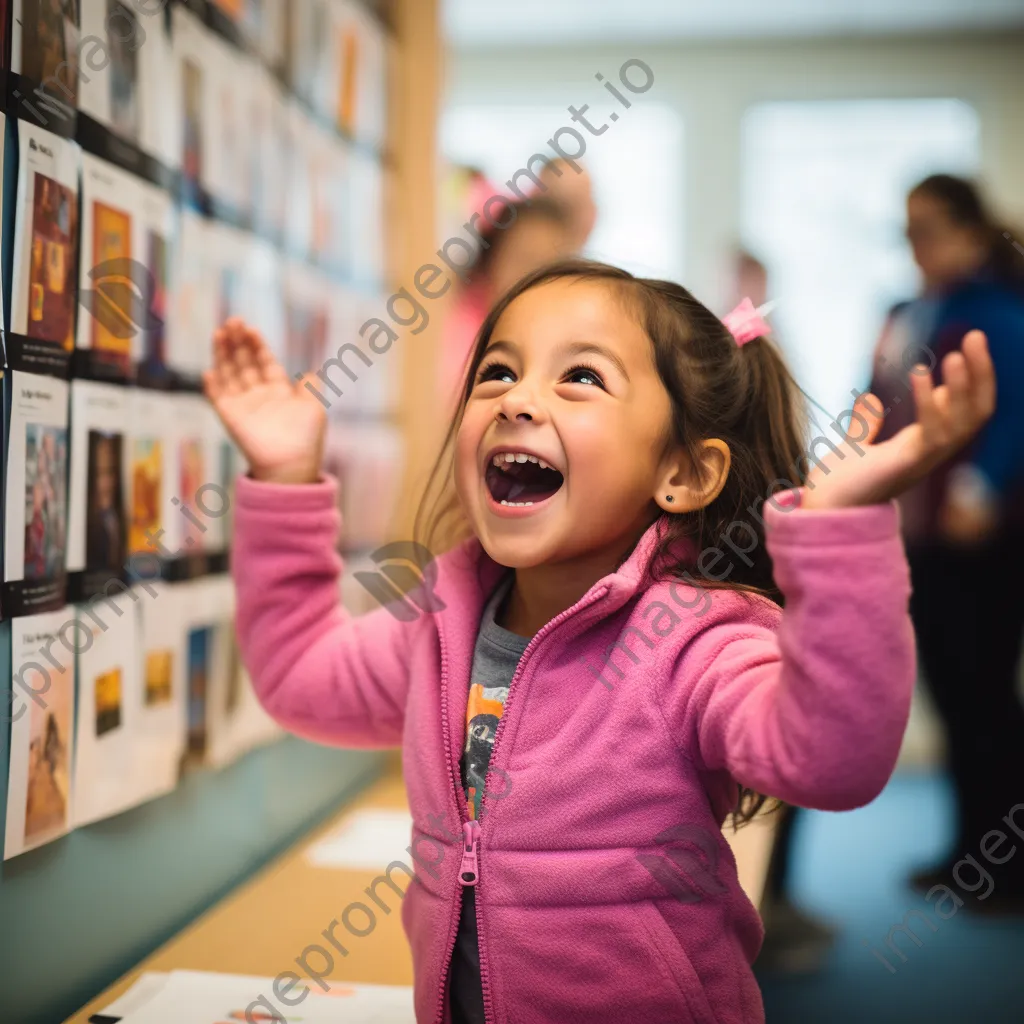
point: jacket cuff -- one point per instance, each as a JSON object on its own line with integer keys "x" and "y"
{"x": 271, "y": 497}
{"x": 786, "y": 522}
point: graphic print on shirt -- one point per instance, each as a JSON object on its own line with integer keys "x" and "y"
{"x": 483, "y": 711}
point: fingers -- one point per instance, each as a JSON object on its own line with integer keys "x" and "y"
{"x": 982, "y": 373}
{"x": 870, "y": 409}
{"x": 224, "y": 374}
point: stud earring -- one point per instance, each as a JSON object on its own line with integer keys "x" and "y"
{"x": 669, "y": 497}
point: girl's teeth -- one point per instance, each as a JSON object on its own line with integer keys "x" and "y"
{"x": 504, "y": 457}
{"x": 517, "y": 504}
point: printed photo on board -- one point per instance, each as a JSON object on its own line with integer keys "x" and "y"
{"x": 46, "y": 452}
{"x": 54, "y": 263}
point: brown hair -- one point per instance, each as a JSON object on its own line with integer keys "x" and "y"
{"x": 966, "y": 207}
{"x": 741, "y": 394}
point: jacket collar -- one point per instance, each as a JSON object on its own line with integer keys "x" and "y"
{"x": 467, "y": 575}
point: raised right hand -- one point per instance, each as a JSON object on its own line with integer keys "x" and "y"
{"x": 278, "y": 423}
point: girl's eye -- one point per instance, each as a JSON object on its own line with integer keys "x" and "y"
{"x": 584, "y": 375}
{"x": 496, "y": 371}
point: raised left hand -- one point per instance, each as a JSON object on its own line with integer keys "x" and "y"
{"x": 948, "y": 416}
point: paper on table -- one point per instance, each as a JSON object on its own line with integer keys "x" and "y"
{"x": 370, "y": 839}
{"x": 199, "y": 997}
{"x": 144, "y": 989}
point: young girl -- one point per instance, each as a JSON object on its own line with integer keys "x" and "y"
{"x": 607, "y": 647}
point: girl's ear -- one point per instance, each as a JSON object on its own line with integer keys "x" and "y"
{"x": 684, "y": 486}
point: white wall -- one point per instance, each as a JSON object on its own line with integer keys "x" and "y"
{"x": 712, "y": 83}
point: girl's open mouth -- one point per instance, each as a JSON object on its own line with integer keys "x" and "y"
{"x": 520, "y": 479}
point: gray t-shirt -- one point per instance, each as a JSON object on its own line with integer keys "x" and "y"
{"x": 495, "y": 657}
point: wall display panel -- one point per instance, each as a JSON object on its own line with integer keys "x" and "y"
{"x": 107, "y": 739}
{"x": 307, "y": 318}
{"x": 155, "y": 237}
{"x": 298, "y": 235}
{"x": 112, "y": 269}
{"x": 228, "y": 136}
{"x": 196, "y": 461}
{"x": 366, "y": 219}
{"x": 160, "y": 90}
{"x": 44, "y": 286}
{"x": 97, "y": 499}
{"x": 39, "y": 784}
{"x": 110, "y": 82}
{"x": 45, "y": 47}
{"x": 162, "y": 650}
{"x": 358, "y": 100}
{"x": 268, "y": 120}
{"x": 35, "y": 513}
{"x": 368, "y": 468}
{"x": 194, "y": 131}
{"x": 194, "y": 295}
{"x": 263, "y": 292}
{"x": 207, "y": 618}
{"x": 150, "y": 468}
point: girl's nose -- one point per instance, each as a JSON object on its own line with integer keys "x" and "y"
{"x": 518, "y": 405}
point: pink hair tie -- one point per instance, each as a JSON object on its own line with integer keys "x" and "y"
{"x": 746, "y": 323}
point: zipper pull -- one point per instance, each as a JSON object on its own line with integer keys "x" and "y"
{"x": 471, "y": 842}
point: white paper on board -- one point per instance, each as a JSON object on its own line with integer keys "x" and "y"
{"x": 39, "y": 787}
{"x": 121, "y": 33}
{"x": 109, "y": 698}
{"x": 368, "y": 839}
{"x": 155, "y": 237}
{"x": 150, "y": 468}
{"x": 96, "y": 496}
{"x": 35, "y": 514}
{"x": 45, "y": 270}
{"x": 206, "y": 998}
{"x": 144, "y": 989}
{"x": 193, "y": 314}
{"x": 161, "y": 729}
{"x": 111, "y": 232}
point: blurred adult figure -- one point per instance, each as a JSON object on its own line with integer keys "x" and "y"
{"x": 552, "y": 222}
{"x": 964, "y": 524}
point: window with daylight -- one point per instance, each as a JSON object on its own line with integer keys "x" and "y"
{"x": 824, "y": 185}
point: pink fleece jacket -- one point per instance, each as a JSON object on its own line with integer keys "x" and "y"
{"x": 704, "y": 690}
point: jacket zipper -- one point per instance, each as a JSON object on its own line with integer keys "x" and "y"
{"x": 474, "y": 835}
{"x": 471, "y": 827}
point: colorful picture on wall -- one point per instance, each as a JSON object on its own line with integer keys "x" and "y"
{"x": 158, "y": 677}
{"x": 108, "y": 701}
{"x": 192, "y": 157}
{"x": 348, "y": 79}
{"x": 155, "y": 355}
{"x": 111, "y": 240}
{"x": 190, "y": 461}
{"x": 46, "y": 458}
{"x": 123, "y": 40}
{"x": 48, "y": 768}
{"x": 49, "y": 46}
{"x": 146, "y": 486}
{"x": 306, "y": 335}
{"x": 54, "y": 263}
{"x": 200, "y": 647}
{"x": 104, "y": 538}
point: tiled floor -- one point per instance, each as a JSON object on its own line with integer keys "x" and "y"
{"x": 851, "y": 868}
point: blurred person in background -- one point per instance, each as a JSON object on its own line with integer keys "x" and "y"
{"x": 964, "y": 523}
{"x": 553, "y": 222}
